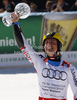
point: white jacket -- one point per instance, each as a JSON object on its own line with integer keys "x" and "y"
{"x": 53, "y": 80}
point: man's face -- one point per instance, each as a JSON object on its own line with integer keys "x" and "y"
{"x": 48, "y": 5}
{"x": 5, "y": 2}
{"x": 50, "y": 46}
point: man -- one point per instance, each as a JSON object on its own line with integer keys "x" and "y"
{"x": 54, "y": 74}
{"x": 60, "y": 6}
{"x": 33, "y": 7}
{"x": 48, "y": 5}
{"x": 8, "y": 6}
{"x": 1, "y": 7}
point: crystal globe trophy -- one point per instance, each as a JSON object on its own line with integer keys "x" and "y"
{"x": 22, "y": 8}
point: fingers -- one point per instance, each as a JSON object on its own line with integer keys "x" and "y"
{"x": 15, "y": 17}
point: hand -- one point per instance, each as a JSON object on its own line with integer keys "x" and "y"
{"x": 15, "y": 17}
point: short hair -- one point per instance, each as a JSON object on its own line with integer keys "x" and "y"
{"x": 49, "y": 2}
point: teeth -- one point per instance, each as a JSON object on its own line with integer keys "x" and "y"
{"x": 49, "y": 52}
{"x": 48, "y": 47}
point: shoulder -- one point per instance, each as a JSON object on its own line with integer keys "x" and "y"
{"x": 53, "y": 6}
{"x": 68, "y": 65}
{"x": 41, "y": 56}
{"x": 65, "y": 63}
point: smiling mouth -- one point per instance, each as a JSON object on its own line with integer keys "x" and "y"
{"x": 49, "y": 52}
{"x": 49, "y": 48}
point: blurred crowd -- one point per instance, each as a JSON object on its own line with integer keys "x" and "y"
{"x": 40, "y": 5}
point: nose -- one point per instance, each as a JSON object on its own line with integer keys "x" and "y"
{"x": 49, "y": 43}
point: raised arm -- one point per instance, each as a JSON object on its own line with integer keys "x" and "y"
{"x": 28, "y": 51}
{"x": 17, "y": 30}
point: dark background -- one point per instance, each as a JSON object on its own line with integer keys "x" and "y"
{"x": 39, "y": 3}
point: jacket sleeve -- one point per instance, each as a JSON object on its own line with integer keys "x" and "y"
{"x": 28, "y": 51}
{"x": 73, "y": 80}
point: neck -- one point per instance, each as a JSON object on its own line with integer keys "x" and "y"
{"x": 55, "y": 58}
